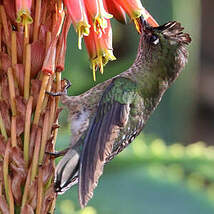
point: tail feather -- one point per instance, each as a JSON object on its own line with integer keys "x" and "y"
{"x": 67, "y": 171}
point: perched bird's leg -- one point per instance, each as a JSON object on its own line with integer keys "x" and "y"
{"x": 57, "y": 154}
{"x": 60, "y": 93}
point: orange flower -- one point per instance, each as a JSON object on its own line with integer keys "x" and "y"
{"x": 116, "y": 10}
{"x": 91, "y": 19}
{"x": 99, "y": 48}
{"x": 23, "y": 9}
{"x": 98, "y": 14}
{"x": 76, "y": 9}
{"x": 135, "y": 9}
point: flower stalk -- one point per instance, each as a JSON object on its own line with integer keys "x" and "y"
{"x": 37, "y": 20}
{"x": 2, "y": 127}
{"x": 27, "y": 72}
{"x": 5, "y": 171}
{"x": 13, "y": 48}
{"x": 27, "y": 129}
{"x": 45, "y": 80}
{"x": 44, "y": 137}
{"x": 27, "y": 115}
{"x": 40, "y": 192}
{"x": 5, "y": 25}
{"x": 12, "y": 91}
{"x": 13, "y": 132}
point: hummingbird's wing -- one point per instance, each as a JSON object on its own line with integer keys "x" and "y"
{"x": 111, "y": 116}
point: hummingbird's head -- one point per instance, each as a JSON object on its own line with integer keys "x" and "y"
{"x": 164, "y": 46}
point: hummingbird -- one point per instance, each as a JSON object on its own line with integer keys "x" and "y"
{"x": 109, "y": 116}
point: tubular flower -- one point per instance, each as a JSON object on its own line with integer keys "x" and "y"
{"x": 91, "y": 19}
{"x": 23, "y": 9}
{"x": 98, "y": 14}
{"x": 116, "y": 10}
{"x": 76, "y": 10}
{"x": 100, "y": 48}
{"x": 135, "y": 9}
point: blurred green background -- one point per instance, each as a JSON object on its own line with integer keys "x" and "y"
{"x": 156, "y": 174}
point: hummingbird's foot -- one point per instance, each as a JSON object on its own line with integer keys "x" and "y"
{"x": 60, "y": 93}
{"x": 57, "y": 154}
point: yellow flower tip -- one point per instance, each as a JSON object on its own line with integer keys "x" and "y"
{"x": 137, "y": 25}
{"x": 83, "y": 29}
{"x": 113, "y": 58}
{"x": 101, "y": 69}
{"x": 94, "y": 71}
{"x": 146, "y": 15}
{"x": 137, "y": 13}
{"x": 79, "y": 41}
{"x": 108, "y": 56}
{"x": 100, "y": 22}
{"x": 24, "y": 17}
{"x": 100, "y": 63}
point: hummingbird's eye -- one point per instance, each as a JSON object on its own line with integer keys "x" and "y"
{"x": 154, "y": 39}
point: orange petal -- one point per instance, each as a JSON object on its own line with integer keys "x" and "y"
{"x": 98, "y": 14}
{"x": 132, "y": 7}
{"x": 135, "y": 9}
{"x": 62, "y": 44}
{"x": 90, "y": 44}
{"x": 77, "y": 12}
{"x": 100, "y": 48}
{"x": 116, "y": 10}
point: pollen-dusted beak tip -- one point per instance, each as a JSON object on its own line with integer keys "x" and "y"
{"x": 142, "y": 20}
{"x": 142, "y": 23}
{"x": 145, "y": 25}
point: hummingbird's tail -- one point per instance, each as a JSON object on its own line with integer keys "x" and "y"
{"x": 67, "y": 170}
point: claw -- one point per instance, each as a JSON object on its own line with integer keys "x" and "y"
{"x": 68, "y": 85}
{"x": 60, "y": 93}
{"x": 57, "y": 154}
